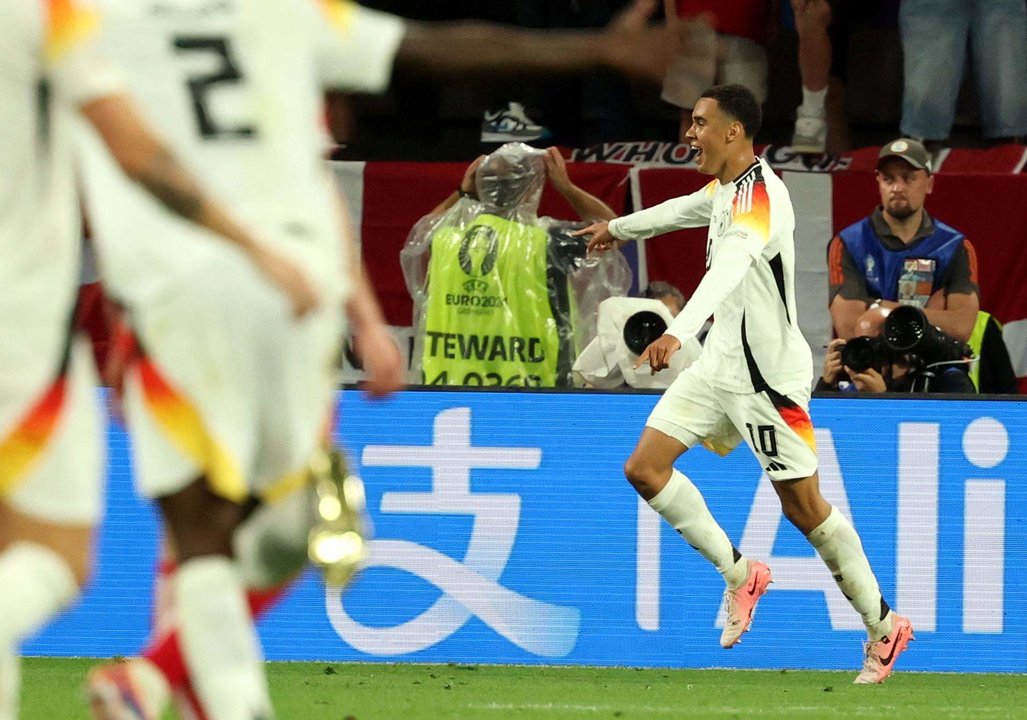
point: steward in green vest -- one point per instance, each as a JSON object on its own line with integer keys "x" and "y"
{"x": 489, "y": 318}
{"x": 490, "y": 280}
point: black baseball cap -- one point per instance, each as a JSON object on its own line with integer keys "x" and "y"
{"x": 910, "y": 150}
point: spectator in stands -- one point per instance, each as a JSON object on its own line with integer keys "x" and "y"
{"x": 901, "y": 255}
{"x": 935, "y": 34}
{"x": 725, "y": 47}
{"x": 502, "y": 296}
{"x": 823, "y": 28}
{"x": 812, "y": 21}
{"x": 865, "y": 364}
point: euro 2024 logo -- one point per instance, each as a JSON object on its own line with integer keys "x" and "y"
{"x": 477, "y": 256}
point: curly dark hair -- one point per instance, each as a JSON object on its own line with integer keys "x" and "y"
{"x": 738, "y": 102}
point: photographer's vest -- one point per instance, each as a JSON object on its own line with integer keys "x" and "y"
{"x": 882, "y": 268}
{"x": 488, "y": 317}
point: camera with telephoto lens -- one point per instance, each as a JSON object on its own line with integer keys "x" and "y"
{"x": 910, "y": 335}
{"x": 862, "y": 353}
{"x": 907, "y": 330}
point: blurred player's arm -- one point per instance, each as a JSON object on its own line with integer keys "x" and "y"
{"x": 148, "y": 161}
{"x": 628, "y": 44}
{"x": 375, "y": 346}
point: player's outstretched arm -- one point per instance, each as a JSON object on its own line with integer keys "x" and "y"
{"x": 599, "y": 238}
{"x": 149, "y": 162}
{"x": 629, "y": 45}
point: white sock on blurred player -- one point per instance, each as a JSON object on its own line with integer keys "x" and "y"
{"x": 682, "y": 505}
{"x": 219, "y": 642}
{"x": 839, "y": 546}
{"x": 36, "y": 584}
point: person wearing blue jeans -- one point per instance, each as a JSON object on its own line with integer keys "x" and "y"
{"x": 934, "y": 42}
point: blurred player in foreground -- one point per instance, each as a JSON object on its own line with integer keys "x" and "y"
{"x": 50, "y": 427}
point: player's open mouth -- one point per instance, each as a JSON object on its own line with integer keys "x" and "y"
{"x": 698, "y": 152}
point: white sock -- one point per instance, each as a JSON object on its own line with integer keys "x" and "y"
{"x": 219, "y": 643}
{"x": 839, "y": 547}
{"x": 813, "y": 102}
{"x": 36, "y": 584}
{"x": 682, "y": 505}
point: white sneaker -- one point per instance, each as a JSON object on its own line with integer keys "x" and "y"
{"x": 810, "y": 135}
{"x": 511, "y": 124}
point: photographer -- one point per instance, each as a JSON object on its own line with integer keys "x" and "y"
{"x": 897, "y": 351}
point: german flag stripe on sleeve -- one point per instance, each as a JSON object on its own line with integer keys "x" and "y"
{"x": 751, "y": 208}
{"x": 68, "y": 24}
{"x": 339, "y": 13}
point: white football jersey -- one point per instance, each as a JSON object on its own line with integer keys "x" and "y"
{"x": 755, "y": 341}
{"x": 237, "y": 89}
{"x": 48, "y": 69}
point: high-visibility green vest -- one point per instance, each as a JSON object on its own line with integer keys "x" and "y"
{"x": 976, "y": 343}
{"x": 488, "y": 317}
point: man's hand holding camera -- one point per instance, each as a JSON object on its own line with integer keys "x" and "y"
{"x": 868, "y": 379}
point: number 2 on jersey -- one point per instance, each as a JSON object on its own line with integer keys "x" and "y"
{"x": 201, "y": 85}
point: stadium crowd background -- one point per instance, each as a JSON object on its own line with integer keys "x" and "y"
{"x": 430, "y": 119}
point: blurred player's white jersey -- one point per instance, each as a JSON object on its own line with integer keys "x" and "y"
{"x": 47, "y": 68}
{"x": 236, "y": 87}
{"x": 49, "y": 427}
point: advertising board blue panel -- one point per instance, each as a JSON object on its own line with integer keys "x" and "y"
{"x": 506, "y": 533}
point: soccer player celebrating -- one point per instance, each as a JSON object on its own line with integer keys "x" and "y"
{"x": 752, "y": 380}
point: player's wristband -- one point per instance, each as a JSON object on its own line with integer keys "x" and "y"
{"x": 465, "y": 194}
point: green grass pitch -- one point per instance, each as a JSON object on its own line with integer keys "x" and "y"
{"x": 320, "y": 691}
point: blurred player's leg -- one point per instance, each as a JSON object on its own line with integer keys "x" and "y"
{"x": 839, "y": 546}
{"x": 38, "y": 583}
{"x": 682, "y": 505}
{"x": 50, "y": 491}
{"x": 217, "y": 636}
{"x": 270, "y": 549}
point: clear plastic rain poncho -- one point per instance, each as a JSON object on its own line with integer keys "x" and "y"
{"x": 501, "y": 296}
